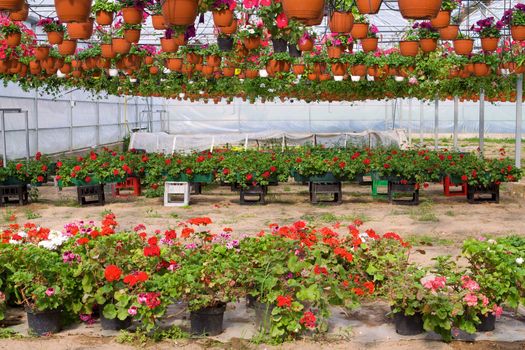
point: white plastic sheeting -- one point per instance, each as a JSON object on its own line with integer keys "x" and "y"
{"x": 165, "y": 143}
{"x": 73, "y": 120}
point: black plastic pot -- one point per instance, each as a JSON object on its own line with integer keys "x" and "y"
{"x": 44, "y": 322}
{"x": 207, "y": 321}
{"x": 488, "y": 323}
{"x": 114, "y": 324}
{"x": 279, "y": 45}
{"x": 225, "y": 44}
{"x": 294, "y": 51}
{"x": 250, "y": 301}
{"x": 408, "y": 325}
{"x": 263, "y": 316}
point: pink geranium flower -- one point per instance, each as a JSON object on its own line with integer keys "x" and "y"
{"x": 471, "y": 299}
{"x": 436, "y": 283}
{"x": 282, "y": 21}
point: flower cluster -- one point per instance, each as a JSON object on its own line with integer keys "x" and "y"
{"x": 488, "y": 28}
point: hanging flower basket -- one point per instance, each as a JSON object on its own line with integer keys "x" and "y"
{"x": 13, "y": 39}
{"x": 11, "y": 5}
{"x": 104, "y": 18}
{"x": 158, "y": 22}
{"x": 20, "y": 15}
{"x": 359, "y": 30}
{"x": 132, "y": 35}
{"x": 369, "y": 44}
{"x": 107, "y": 51}
{"x": 213, "y": 61}
{"x": 73, "y": 10}
{"x": 303, "y": 10}
{"x": 463, "y": 46}
{"x": 338, "y": 69}
{"x": 174, "y": 64}
{"x": 334, "y": 51}
{"x": 517, "y": 33}
{"x": 251, "y": 73}
{"x": 120, "y": 46}
{"x": 231, "y": 29}
{"x": 55, "y": 38}
{"x": 80, "y": 30}
{"x": 449, "y": 33}
{"x": 228, "y": 71}
{"x": 179, "y": 12}
{"x": 66, "y": 68}
{"x": 489, "y": 44}
{"x": 428, "y": 45}
{"x": 67, "y": 47}
{"x": 409, "y": 48}
{"x": 481, "y": 69}
{"x": 417, "y": 9}
{"x": 298, "y": 69}
{"x": 341, "y": 22}
{"x": 442, "y": 20}
{"x": 306, "y": 45}
{"x": 370, "y": 7}
{"x": 252, "y": 43}
{"x": 132, "y": 15}
{"x": 223, "y": 18}
{"x": 41, "y": 52}
{"x": 168, "y": 45}
{"x": 358, "y": 70}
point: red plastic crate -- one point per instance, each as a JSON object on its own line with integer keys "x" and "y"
{"x": 131, "y": 183}
{"x": 447, "y": 185}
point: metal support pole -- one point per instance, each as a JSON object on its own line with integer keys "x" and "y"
{"x": 421, "y": 107}
{"x": 26, "y": 125}
{"x": 481, "y": 128}
{"x": 4, "y": 143}
{"x": 70, "y": 109}
{"x": 410, "y": 121}
{"x": 386, "y": 115}
{"x": 97, "y": 138}
{"x": 35, "y": 106}
{"x": 436, "y": 123}
{"x": 456, "y": 114}
{"x": 519, "y": 118}
{"x": 400, "y": 113}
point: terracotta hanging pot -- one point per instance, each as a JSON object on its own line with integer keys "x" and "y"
{"x": 107, "y": 51}
{"x": 338, "y": 69}
{"x": 132, "y": 35}
{"x": 41, "y": 52}
{"x": 223, "y": 18}
{"x": 418, "y": 9}
{"x": 11, "y": 5}
{"x": 77, "y": 73}
{"x": 334, "y": 51}
{"x": 66, "y": 68}
{"x": 158, "y": 22}
{"x": 369, "y": 44}
{"x": 73, "y": 10}
{"x": 231, "y": 29}
{"x": 252, "y": 43}
{"x": 13, "y": 39}
{"x": 449, "y": 33}
{"x": 104, "y": 18}
{"x": 251, "y": 73}
{"x": 174, "y": 64}
{"x": 179, "y": 12}
{"x": 358, "y": 70}
{"x": 319, "y": 67}
{"x": 314, "y": 21}
{"x": 428, "y": 45}
{"x": 463, "y": 46}
{"x": 153, "y": 70}
{"x": 132, "y": 15}
{"x": 489, "y": 44}
{"x": 303, "y": 10}
{"x": 517, "y": 33}
{"x": 228, "y": 71}
{"x": 370, "y": 7}
{"x": 409, "y": 48}
{"x": 148, "y": 60}
{"x": 481, "y": 69}
{"x": 169, "y": 45}
{"x": 442, "y": 20}
{"x": 81, "y": 31}
{"x": 341, "y": 22}
{"x": 298, "y": 69}
{"x": 55, "y": 38}
{"x": 306, "y": 45}
{"x": 180, "y": 40}
{"x": 20, "y": 15}
{"x": 120, "y": 45}
{"x": 324, "y": 77}
{"x": 67, "y": 47}
{"x": 213, "y": 61}
{"x": 359, "y": 30}
{"x": 193, "y": 58}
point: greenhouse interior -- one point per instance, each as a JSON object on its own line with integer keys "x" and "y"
{"x": 371, "y": 151}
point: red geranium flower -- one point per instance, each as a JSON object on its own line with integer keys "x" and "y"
{"x": 284, "y": 301}
{"x": 112, "y": 273}
{"x": 308, "y": 320}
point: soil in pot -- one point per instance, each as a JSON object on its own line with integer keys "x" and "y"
{"x": 207, "y": 321}
{"x": 408, "y": 325}
{"x": 115, "y": 324}
{"x": 44, "y": 322}
{"x": 488, "y": 323}
{"x": 263, "y": 316}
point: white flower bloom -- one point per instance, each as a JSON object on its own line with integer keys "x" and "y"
{"x": 54, "y": 240}
{"x": 519, "y": 261}
{"x": 491, "y": 241}
{"x": 22, "y": 234}
{"x": 14, "y": 241}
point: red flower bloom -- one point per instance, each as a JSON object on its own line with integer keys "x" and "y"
{"x": 308, "y": 320}
{"x": 40, "y": 178}
{"x": 320, "y": 270}
{"x": 19, "y": 166}
{"x": 115, "y": 172}
{"x": 284, "y": 301}
{"x": 464, "y": 178}
{"x": 112, "y": 273}
{"x": 59, "y": 164}
{"x": 82, "y": 241}
{"x": 249, "y": 177}
{"x": 151, "y": 250}
{"x": 189, "y": 171}
{"x": 273, "y": 169}
{"x": 87, "y": 179}
{"x": 93, "y": 156}
{"x": 386, "y": 165}
{"x": 298, "y": 160}
{"x": 226, "y": 171}
{"x": 366, "y": 161}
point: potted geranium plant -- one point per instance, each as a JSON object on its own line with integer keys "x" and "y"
{"x": 54, "y": 30}
{"x": 250, "y": 35}
{"x": 12, "y": 33}
{"x": 369, "y": 43}
{"x": 409, "y": 44}
{"x": 515, "y": 18}
{"x": 442, "y": 19}
{"x": 104, "y": 11}
{"x": 463, "y": 44}
{"x": 222, "y": 11}
{"x": 341, "y": 19}
{"x": 427, "y": 36}
{"x": 132, "y": 11}
{"x": 489, "y": 32}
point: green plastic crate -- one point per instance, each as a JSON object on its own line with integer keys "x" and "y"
{"x": 378, "y": 185}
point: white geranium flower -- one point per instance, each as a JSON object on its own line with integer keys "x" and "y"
{"x": 22, "y": 234}
{"x": 519, "y": 261}
{"x": 54, "y": 240}
{"x": 14, "y": 241}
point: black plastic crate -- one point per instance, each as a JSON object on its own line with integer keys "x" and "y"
{"x": 483, "y": 194}
{"x": 398, "y": 193}
{"x": 91, "y": 195}
{"x": 253, "y": 195}
{"x": 320, "y": 189}
{"x": 14, "y": 194}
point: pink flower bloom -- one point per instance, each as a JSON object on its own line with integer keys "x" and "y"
{"x": 132, "y": 310}
{"x": 469, "y": 283}
{"x": 282, "y": 21}
{"x": 249, "y": 4}
{"x": 50, "y": 292}
{"x": 471, "y": 299}
{"x": 498, "y": 311}
{"x": 436, "y": 283}
{"x": 484, "y": 300}
{"x": 265, "y": 2}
